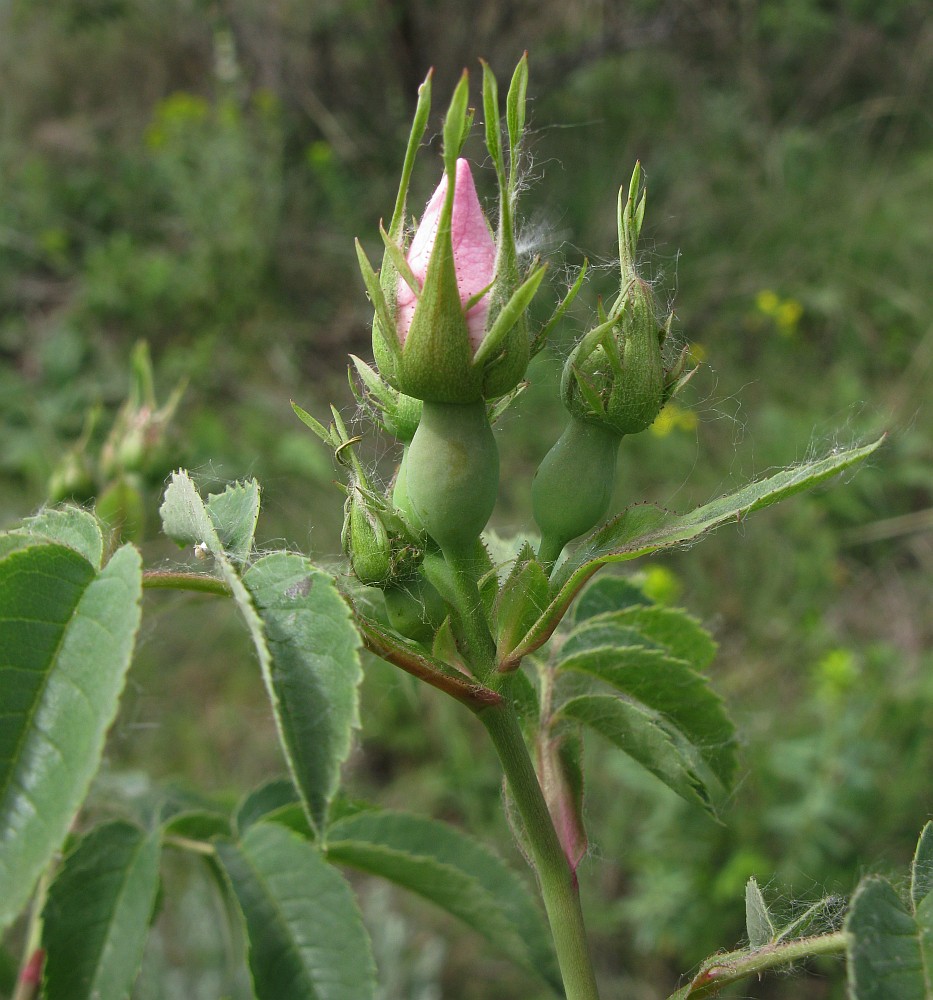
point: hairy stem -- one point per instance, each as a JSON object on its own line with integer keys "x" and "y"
{"x": 720, "y": 971}
{"x": 156, "y": 579}
{"x": 557, "y": 881}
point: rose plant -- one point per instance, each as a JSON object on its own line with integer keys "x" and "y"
{"x": 535, "y": 648}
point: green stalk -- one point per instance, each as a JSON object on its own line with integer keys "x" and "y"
{"x": 557, "y": 882}
{"x": 456, "y": 578}
{"x": 721, "y": 970}
{"x": 198, "y": 582}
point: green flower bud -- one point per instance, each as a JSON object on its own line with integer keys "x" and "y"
{"x": 616, "y": 377}
{"x": 365, "y": 541}
{"x": 381, "y": 547}
{"x": 139, "y": 430}
{"x": 121, "y": 508}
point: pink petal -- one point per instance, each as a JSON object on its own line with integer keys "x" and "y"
{"x": 473, "y": 247}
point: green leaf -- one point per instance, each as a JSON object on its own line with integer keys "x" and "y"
{"x": 313, "y": 671}
{"x": 453, "y": 871}
{"x": 234, "y": 514}
{"x": 306, "y": 642}
{"x": 638, "y": 734}
{"x": 597, "y": 633}
{"x": 668, "y": 686}
{"x": 267, "y": 798}
{"x": 196, "y": 824}
{"x": 184, "y": 517}
{"x": 306, "y": 936}
{"x": 758, "y": 923}
{"x": 890, "y": 950}
{"x": 608, "y": 593}
{"x": 96, "y": 919}
{"x": 642, "y": 529}
{"x": 678, "y": 632}
{"x": 66, "y": 638}
{"x": 921, "y": 868}
{"x": 70, "y": 526}
{"x": 8, "y": 973}
{"x": 277, "y": 801}
{"x": 671, "y": 629}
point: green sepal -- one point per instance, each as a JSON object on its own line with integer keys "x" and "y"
{"x": 436, "y": 361}
{"x": 498, "y": 407}
{"x": 398, "y": 260}
{"x": 515, "y": 115}
{"x": 491, "y": 111}
{"x": 386, "y": 346}
{"x": 325, "y": 434}
{"x": 392, "y": 410}
{"x": 457, "y": 123}
{"x": 631, "y": 216}
{"x": 385, "y": 337}
{"x": 418, "y": 125}
{"x": 540, "y": 338}
{"x": 506, "y": 320}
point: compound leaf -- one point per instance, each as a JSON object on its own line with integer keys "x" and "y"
{"x": 453, "y": 871}
{"x": 306, "y": 936}
{"x": 67, "y": 634}
{"x": 96, "y": 918}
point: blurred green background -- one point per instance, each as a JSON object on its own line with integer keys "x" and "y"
{"x": 193, "y": 173}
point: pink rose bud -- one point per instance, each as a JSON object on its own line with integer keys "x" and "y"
{"x": 473, "y": 248}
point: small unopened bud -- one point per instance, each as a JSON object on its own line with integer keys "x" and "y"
{"x": 381, "y": 546}
{"x": 365, "y": 541}
{"x": 139, "y": 429}
{"x": 616, "y": 376}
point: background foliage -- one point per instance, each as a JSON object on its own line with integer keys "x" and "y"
{"x": 193, "y": 173}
